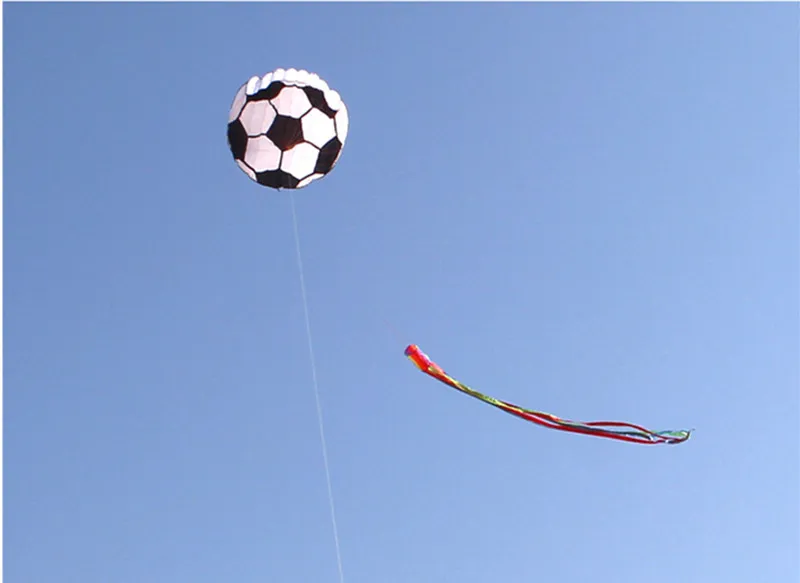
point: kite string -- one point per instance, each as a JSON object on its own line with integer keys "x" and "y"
{"x": 316, "y": 389}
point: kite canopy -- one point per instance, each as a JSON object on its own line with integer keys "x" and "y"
{"x": 287, "y": 128}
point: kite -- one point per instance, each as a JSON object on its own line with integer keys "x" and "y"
{"x": 287, "y": 128}
{"x": 609, "y": 429}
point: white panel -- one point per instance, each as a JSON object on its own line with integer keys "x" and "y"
{"x": 308, "y": 180}
{"x": 319, "y": 83}
{"x": 262, "y": 154}
{"x": 252, "y": 85}
{"x": 300, "y": 160}
{"x": 277, "y": 74}
{"x": 292, "y": 102}
{"x": 246, "y": 170}
{"x": 333, "y": 99}
{"x": 256, "y": 117}
{"x": 318, "y": 128}
{"x": 342, "y": 124}
{"x": 313, "y": 80}
{"x": 302, "y": 78}
{"x": 290, "y": 76}
{"x": 238, "y": 102}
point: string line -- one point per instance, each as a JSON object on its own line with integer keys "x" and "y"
{"x": 316, "y": 389}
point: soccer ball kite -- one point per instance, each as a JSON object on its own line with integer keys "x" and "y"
{"x": 287, "y": 128}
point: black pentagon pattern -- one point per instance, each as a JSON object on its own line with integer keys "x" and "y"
{"x": 237, "y": 139}
{"x": 317, "y": 99}
{"x": 277, "y": 179}
{"x": 285, "y": 132}
{"x": 269, "y": 92}
{"x": 327, "y": 156}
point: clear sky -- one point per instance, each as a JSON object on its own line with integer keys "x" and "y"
{"x": 590, "y": 210}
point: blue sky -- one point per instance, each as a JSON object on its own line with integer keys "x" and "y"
{"x": 587, "y": 209}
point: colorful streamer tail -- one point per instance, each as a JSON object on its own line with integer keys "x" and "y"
{"x": 608, "y": 429}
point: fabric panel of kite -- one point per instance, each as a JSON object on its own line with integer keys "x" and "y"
{"x": 608, "y": 429}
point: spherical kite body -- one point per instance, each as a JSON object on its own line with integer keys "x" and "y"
{"x": 287, "y": 128}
